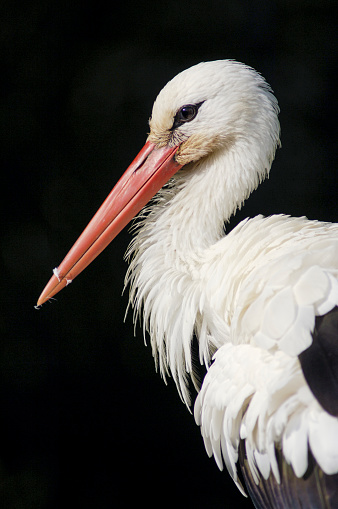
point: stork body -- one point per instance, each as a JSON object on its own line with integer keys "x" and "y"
{"x": 259, "y": 299}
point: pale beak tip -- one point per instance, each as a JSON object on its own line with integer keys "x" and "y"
{"x": 42, "y": 299}
{"x": 54, "y": 285}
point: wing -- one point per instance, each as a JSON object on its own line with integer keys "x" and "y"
{"x": 281, "y": 285}
{"x": 320, "y": 361}
{"x": 261, "y": 395}
{"x": 262, "y": 398}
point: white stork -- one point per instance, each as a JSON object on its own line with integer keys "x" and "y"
{"x": 261, "y": 300}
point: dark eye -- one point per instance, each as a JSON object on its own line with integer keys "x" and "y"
{"x": 186, "y": 114}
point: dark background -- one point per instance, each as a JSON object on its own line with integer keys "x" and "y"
{"x": 82, "y": 408}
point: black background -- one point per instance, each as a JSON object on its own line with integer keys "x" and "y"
{"x": 82, "y": 408}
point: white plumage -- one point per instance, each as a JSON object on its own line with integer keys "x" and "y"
{"x": 251, "y": 296}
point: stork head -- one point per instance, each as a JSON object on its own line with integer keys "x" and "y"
{"x": 216, "y": 105}
{"x": 221, "y": 105}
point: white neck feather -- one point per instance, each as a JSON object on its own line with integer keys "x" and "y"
{"x": 167, "y": 254}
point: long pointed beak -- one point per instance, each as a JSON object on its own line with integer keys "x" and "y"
{"x": 149, "y": 171}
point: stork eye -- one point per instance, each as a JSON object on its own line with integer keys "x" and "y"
{"x": 186, "y": 114}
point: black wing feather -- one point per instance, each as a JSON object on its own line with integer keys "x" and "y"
{"x": 320, "y": 362}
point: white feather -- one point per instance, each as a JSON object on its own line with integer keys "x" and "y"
{"x": 280, "y": 410}
{"x": 323, "y": 441}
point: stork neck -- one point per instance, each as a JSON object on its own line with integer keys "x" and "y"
{"x": 191, "y": 213}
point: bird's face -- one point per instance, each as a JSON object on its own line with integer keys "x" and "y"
{"x": 207, "y": 107}
{"x": 183, "y": 116}
{"x": 194, "y": 141}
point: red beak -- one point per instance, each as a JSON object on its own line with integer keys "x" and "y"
{"x": 149, "y": 171}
